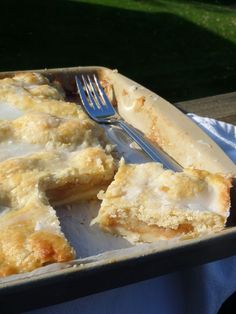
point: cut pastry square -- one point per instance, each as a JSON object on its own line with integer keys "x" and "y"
{"x": 30, "y": 230}
{"x": 31, "y": 237}
{"x": 147, "y": 203}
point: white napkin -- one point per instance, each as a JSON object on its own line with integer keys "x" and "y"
{"x": 224, "y": 134}
{"x": 197, "y": 290}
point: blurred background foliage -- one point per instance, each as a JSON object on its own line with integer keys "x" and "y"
{"x": 179, "y": 49}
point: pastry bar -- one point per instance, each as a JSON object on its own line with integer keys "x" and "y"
{"x": 50, "y": 153}
{"x": 29, "y": 228}
{"x": 147, "y": 203}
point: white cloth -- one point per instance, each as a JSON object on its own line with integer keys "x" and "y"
{"x": 197, "y": 290}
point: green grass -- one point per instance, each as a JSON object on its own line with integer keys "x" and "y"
{"x": 218, "y": 19}
{"x": 180, "y": 49}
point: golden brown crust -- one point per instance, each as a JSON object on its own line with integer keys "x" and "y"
{"x": 23, "y": 249}
{"x": 41, "y": 128}
{"x": 65, "y": 162}
{"x": 31, "y": 92}
{"x": 30, "y": 224}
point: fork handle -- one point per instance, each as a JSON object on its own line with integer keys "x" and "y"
{"x": 156, "y": 153}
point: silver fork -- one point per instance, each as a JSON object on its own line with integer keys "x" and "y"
{"x": 99, "y": 108}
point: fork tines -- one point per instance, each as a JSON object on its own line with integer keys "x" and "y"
{"x": 100, "y": 109}
{"x": 93, "y": 97}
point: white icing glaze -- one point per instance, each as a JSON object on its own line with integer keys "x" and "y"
{"x": 8, "y": 112}
{"x": 12, "y": 149}
{"x": 48, "y": 222}
{"x": 149, "y": 185}
{"x": 133, "y": 193}
{"x": 4, "y": 210}
{"x": 204, "y": 201}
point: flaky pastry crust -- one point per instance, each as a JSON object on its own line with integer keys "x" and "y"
{"x": 51, "y": 153}
{"x": 147, "y": 203}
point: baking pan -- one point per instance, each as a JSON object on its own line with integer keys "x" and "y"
{"x": 112, "y": 262}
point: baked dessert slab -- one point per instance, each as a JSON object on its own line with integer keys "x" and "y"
{"x": 51, "y": 153}
{"x": 147, "y": 203}
{"x": 155, "y": 257}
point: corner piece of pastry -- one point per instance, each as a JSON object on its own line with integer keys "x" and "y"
{"x": 30, "y": 234}
{"x": 147, "y": 203}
